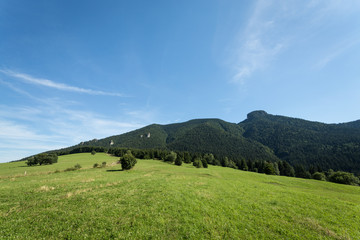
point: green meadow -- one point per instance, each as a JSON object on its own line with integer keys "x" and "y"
{"x": 157, "y": 200}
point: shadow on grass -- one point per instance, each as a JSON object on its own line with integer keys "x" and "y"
{"x": 115, "y": 170}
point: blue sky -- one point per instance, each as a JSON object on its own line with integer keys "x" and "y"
{"x": 72, "y": 71}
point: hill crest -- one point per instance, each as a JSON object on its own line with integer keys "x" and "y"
{"x": 261, "y": 136}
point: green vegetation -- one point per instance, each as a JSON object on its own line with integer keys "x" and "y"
{"x": 312, "y": 145}
{"x": 128, "y": 161}
{"x": 42, "y": 159}
{"x": 161, "y": 201}
{"x": 307, "y": 146}
{"x": 343, "y": 178}
{"x": 171, "y": 157}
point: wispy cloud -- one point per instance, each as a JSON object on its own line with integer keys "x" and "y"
{"x": 277, "y": 26}
{"x": 29, "y": 130}
{"x": 335, "y": 52}
{"x": 255, "y": 45}
{"x": 52, "y": 84}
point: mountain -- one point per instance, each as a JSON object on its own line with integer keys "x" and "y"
{"x": 200, "y": 135}
{"x": 297, "y": 141}
{"x": 262, "y": 136}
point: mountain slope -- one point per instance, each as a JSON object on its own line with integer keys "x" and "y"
{"x": 335, "y": 146}
{"x": 201, "y": 135}
{"x": 262, "y": 136}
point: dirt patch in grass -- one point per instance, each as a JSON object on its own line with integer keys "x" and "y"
{"x": 45, "y": 188}
{"x": 315, "y": 225}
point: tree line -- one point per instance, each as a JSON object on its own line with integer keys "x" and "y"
{"x": 199, "y": 160}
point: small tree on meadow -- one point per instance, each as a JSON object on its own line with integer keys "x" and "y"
{"x": 93, "y": 152}
{"x": 344, "y": 178}
{"x": 319, "y": 176}
{"x": 269, "y": 169}
{"x": 209, "y": 157}
{"x": 197, "y": 163}
{"x": 178, "y": 161}
{"x": 42, "y": 159}
{"x": 187, "y": 157}
{"x": 204, "y": 163}
{"x": 128, "y": 161}
{"x": 77, "y": 166}
{"x": 171, "y": 157}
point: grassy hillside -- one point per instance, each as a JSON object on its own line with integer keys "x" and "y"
{"x": 163, "y": 201}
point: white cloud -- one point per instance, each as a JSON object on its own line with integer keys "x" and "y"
{"x": 255, "y": 45}
{"x": 19, "y": 140}
{"x": 59, "y": 86}
{"x": 276, "y": 26}
{"x": 29, "y": 130}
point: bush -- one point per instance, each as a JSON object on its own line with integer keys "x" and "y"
{"x": 319, "y": 176}
{"x": 70, "y": 169}
{"x": 209, "y": 158}
{"x": 93, "y": 152}
{"x": 178, "y": 161}
{"x": 344, "y": 178}
{"x": 95, "y": 165}
{"x": 76, "y": 167}
{"x": 171, "y": 157}
{"x": 103, "y": 164}
{"x": 128, "y": 161}
{"x": 204, "y": 163}
{"x": 42, "y": 159}
{"x": 197, "y": 163}
{"x": 269, "y": 169}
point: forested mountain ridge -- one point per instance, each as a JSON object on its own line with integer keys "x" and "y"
{"x": 200, "y": 135}
{"x": 298, "y": 141}
{"x": 262, "y": 136}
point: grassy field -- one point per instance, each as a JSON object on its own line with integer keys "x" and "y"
{"x": 157, "y": 200}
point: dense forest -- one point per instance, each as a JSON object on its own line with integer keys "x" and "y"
{"x": 262, "y": 137}
{"x": 300, "y": 142}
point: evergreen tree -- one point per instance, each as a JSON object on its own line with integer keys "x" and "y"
{"x": 128, "y": 161}
{"x": 269, "y": 168}
{"x": 204, "y": 163}
{"x": 243, "y": 165}
{"x": 178, "y": 161}
{"x": 197, "y": 163}
{"x": 300, "y": 172}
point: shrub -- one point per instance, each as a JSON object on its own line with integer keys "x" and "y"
{"x": 171, "y": 157}
{"x": 232, "y": 164}
{"x": 204, "y": 163}
{"x": 76, "y": 167}
{"x": 103, "y": 164}
{"x": 93, "y": 152}
{"x": 319, "y": 176}
{"x": 128, "y": 161}
{"x": 95, "y": 165}
{"x": 197, "y": 163}
{"x": 178, "y": 161}
{"x": 42, "y": 159}
{"x": 209, "y": 158}
{"x": 269, "y": 169}
{"x": 344, "y": 178}
{"x": 70, "y": 169}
